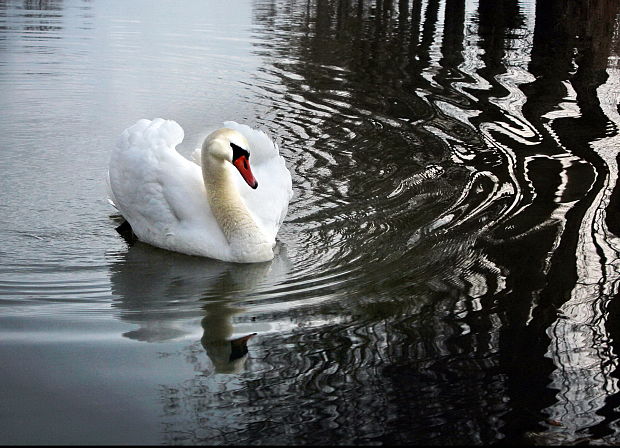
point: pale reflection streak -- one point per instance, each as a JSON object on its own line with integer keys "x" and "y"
{"x": 472, "y": 61}
{"x": 566, "y": 109}
{"x": 580, "y": 345}
{"x": 515, "y": 61}
{"x": 580, "y": 348}
{"x": 434, "y": 50}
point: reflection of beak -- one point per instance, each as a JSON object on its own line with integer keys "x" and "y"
{"x": 242, "y": 163}
{"x": 239, "y": 347}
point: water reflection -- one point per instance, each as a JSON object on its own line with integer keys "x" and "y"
{"x": 465, "y": 146}
{"x": 501, "y": 102}
{"x": 173, "y": 296}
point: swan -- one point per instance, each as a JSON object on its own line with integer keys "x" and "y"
{"x": 215, "y": 206}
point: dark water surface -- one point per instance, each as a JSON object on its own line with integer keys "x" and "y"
{"x": 448, "y": 270}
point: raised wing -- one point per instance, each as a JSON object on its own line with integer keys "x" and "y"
{"x": 155, "y": 188}
{"x": 269, "y": 202}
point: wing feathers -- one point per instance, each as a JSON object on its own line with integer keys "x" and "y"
{"x": 162, "y": 194}
{"x": 269, "y": 202}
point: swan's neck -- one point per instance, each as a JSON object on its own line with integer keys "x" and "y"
{"x": 245, "y": 237}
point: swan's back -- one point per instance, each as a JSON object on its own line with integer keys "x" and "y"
{"x": 135, "y": 173}
{"x": 162, "y": 194}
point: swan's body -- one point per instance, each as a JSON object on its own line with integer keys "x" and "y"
{"x": 211, "y": 209}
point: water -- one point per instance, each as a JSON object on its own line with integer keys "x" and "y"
{"x": 448, "y": 269}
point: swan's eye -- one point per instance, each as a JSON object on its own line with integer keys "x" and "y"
{"x": 238, "y": 151}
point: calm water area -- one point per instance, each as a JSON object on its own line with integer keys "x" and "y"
{"x": 448, "y": 271}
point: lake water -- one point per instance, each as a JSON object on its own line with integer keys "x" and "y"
{"x": 448, "y": 271}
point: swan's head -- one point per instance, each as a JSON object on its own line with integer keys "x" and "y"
{"x": 227, "y": 356}
{"x": 228, "y": 145}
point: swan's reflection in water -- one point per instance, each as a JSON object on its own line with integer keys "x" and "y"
{"x": 227, "y": 355}
{"x": 172, "y": 296}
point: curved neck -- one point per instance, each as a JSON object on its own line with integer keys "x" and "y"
{"x": 230, "y": 211}
{"x": 226, "y": 203}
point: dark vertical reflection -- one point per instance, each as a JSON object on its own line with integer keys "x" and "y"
{"x": 523, "y": 340}
{"x": 594, "y": 27}
{"x": 454, "y": 24}
{"x": 446, "y": 168}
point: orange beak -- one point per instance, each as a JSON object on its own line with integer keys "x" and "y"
{"x": 243, "y": 166}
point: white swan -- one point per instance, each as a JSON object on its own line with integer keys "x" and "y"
{"x": 229, "y": 211}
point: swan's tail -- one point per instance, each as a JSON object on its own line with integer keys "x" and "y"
{"x": 151, "y": 135}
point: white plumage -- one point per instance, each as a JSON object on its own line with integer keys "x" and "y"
{"x": 164, "y": 198}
